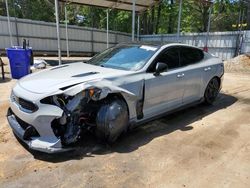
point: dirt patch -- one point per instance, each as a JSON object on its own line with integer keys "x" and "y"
{"x": 2, "y": 137}
{"x": 240, "y": 63}
{"x": 202, "y": 146}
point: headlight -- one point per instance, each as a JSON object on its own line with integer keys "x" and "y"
{"x": 94, "y": 93}
{"x": 58, "y": 100}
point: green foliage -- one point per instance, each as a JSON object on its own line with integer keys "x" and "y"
{"x": 31, "y": 9}
{"x": 225, "y": 14}
{"x": 158, "y": 19}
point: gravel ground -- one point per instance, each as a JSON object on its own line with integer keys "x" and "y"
{"x": 202, "y": 146}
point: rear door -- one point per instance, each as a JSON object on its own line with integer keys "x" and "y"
{"x": 191, "y": 66}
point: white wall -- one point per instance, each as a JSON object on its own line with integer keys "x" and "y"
{"x": 221, "y": 44}
{"x": 42, "y": 36}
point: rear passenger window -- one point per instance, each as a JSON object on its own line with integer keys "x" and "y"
{"x": 190, "y": 56}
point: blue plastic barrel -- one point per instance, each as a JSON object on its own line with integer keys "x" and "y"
{"x": 20, "y": 60}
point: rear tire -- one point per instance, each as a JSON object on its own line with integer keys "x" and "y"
{"x": 112, "y": 119}
{"x": 212, "y": 91}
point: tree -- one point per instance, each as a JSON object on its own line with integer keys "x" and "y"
{"x": 171, "y": 16}
{"x": 31, "y": 9}
{"x": 160, "y": 18}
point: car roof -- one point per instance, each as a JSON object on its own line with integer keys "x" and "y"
{"x": 148, "y": 43}
{"x": 157, "y": 44}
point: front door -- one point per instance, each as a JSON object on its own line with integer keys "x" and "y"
{"x": 164, "y": 92}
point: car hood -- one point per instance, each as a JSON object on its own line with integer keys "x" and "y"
{"x": 58, "y": 77}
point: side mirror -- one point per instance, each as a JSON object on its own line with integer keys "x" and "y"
{"x": 160, "y": 67}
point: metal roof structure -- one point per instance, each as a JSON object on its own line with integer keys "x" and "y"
{"x": 135, "y": 6}
{"x": 140, "y": 5}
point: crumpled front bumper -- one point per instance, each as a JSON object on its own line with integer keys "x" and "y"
{"x": 43, "y": 144}
{"x": 38, "y": 121}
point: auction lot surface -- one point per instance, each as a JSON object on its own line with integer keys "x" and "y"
{"x": 203, "y": 146}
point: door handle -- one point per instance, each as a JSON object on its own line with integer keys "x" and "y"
{"x": 207, "y": 69}
{"x": 180, "y": 75}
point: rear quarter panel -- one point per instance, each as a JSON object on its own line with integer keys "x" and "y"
{"x": 216, "y": 70}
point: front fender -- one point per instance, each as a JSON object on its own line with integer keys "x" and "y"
{"x": 131, "y": 97}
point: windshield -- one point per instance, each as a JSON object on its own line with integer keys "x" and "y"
{"x": 124, "y": 57}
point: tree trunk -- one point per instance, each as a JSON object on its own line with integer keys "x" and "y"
{"x": 152, "y": 20}
{"x": 158, "y": 19}
{"x": 170, "y": 18}
{"x": 248, "y": 15}
{"x": 204, "y": 10}
{"x": 145, "y": 23}
{"x": 205, "y": 18}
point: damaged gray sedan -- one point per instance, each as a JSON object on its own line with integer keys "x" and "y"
{"x": 114, "y": 91}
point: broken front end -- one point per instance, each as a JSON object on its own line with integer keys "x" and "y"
{"x": 55, "y": 123}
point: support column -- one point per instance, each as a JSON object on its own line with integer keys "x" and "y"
{"x": 133, "y": 21}
{"x": 66, "y": 29}
{"x": 107, "y": 25}
{"x": 58, "y": 33}
{"x": 138, "y": 27}
{"x": 9, "y": 24}
{"x": 16, "y": 25}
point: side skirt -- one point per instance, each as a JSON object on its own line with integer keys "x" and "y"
{"x": 134, "y": 124}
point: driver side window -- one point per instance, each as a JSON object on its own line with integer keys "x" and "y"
{"x": 169, "y": 57}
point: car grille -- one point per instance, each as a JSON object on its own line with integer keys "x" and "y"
{"x": 25, "y": 105}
